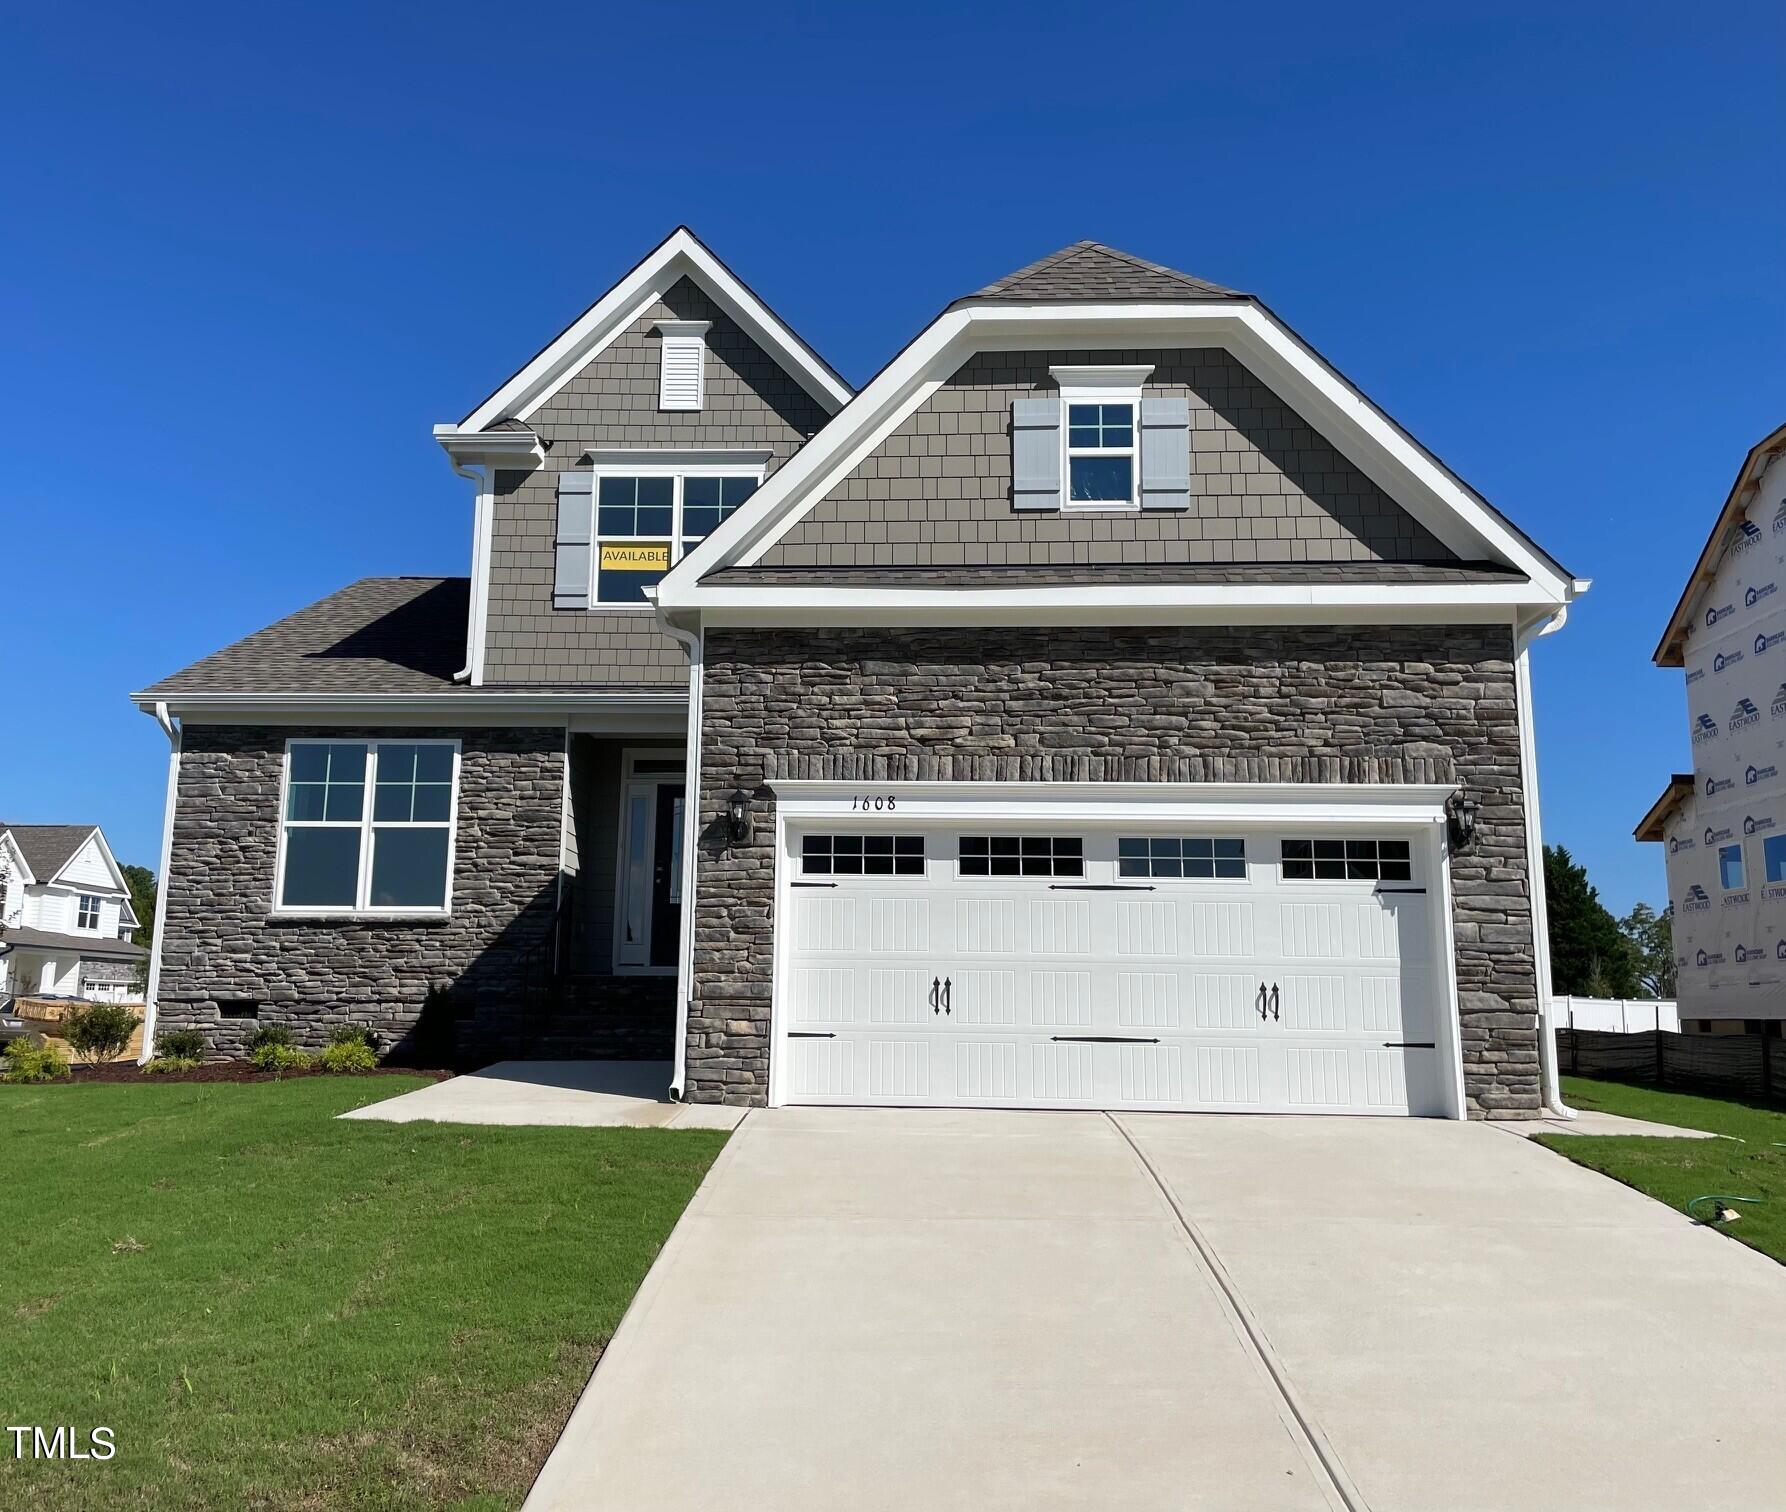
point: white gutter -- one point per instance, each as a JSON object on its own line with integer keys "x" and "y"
{"x": 1550, "y": 1082}
{"x": 163, "y": 880}
{"x": 693, "y": 642}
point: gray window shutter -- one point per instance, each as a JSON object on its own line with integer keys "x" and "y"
{"x": 1035, "y": 453}
{"x": 570, "y": 579}
{"x": 1165, "y": 454}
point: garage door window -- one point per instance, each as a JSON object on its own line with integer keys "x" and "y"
{"x": 1022, "y": 856}
{"x": 862, "y": 855}
{"x": 1181, "y": 856}
{"x": 1347, "y": 861}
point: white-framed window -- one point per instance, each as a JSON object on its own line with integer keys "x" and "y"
{"x": 646, "y": 519}
{"x": 1100, "y": 435}
{"x": 86, "y": 913}
{"x": 367, "y": 826}
{"x": 1101, "y": 452}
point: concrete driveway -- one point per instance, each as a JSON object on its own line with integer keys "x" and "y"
{"x": 900, "y": 1309}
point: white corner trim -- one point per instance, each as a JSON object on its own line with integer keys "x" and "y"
{"x": 694, "y": 643}
{"x": 679, "y": 255}
{"x": 1094, "y": 378}
{"x": 1324, "y": 398}
{"x": 163, "y": 881}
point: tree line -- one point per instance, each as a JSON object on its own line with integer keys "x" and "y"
{"x": 1595, "y": 954}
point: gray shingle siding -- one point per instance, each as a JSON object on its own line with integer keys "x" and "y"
{"x": 1265, "y": 485}
{"x": 750, "y": 402}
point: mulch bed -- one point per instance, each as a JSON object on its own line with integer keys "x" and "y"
{"x": 228, "y": 1071}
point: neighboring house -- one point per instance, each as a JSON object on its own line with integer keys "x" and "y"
{"x": 1106, "y": 707}
{"x": 1724, "y": 823}
{"x": 65, "y": 914}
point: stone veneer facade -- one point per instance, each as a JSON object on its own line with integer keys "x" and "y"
{"x": 223, "y": 944}
{"x": 1373, "y": 704}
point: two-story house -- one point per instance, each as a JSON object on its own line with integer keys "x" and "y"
{"x": 65, "y": 916}
{"x": 1107, "y": 706}
{"x": 1723, "y": 825}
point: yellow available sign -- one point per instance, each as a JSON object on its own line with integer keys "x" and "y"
{"x": 636, "y": 558}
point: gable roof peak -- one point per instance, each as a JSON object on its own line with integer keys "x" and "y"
{"x": 47, "y": 848}
{"x": 1090, "y": 270}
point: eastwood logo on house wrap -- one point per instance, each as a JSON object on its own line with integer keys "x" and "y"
{"x": 1779, "y": 706}
{"x": 1765, "y": 643}
{"x": 1715, "y": 786}
{"x": 1780, "y": 517}
{"x": 1704, "y": 728}
{"x": 1746, "y": 536}
{"x": 1755, "y": 774}
{"x": 1756, "y": 594}
{"x": 1743, "y": 715}
{"x": 1697, "y": 900}
{"x": 1712, "y": 616}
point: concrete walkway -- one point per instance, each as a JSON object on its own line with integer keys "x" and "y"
{"x": 896, "y": 1309}
{"x": 573, "y": 1094}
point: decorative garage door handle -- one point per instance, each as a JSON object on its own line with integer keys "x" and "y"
{"x": 936, "y": 988}
{"x": 1264, "y": 1010}
{"x": 946, "y": 1007}
{"x": 1274, "y": 1012}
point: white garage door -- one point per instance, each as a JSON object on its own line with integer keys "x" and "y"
{"x": 1227, "y": 968}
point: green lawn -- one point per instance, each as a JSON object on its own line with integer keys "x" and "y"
{"x": 1748, "y": 1164}
{"x": 270, "y": 1308}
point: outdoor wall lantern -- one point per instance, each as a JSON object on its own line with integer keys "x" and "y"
{"x": 738, "y": 817}
{"x": 1460, "y": 815}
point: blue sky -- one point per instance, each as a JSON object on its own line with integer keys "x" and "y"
{"x": 252, "y": 254}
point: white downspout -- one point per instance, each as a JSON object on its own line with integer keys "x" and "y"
{"x": 474, "y": 615}
{"x": 163, "y": 881}
{"x": 694, "y": 644}
{"x": 1528, "y": 769}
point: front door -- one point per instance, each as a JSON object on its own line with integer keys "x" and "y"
{"x": 666, "y": 875}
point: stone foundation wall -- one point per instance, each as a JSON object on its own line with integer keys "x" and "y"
{"x": 1171, "y": 703}
{"x": 224, "y": 946}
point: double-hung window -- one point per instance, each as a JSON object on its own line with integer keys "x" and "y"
{"x": 1101, "y": 453}
{"x": 646, "y": 522}
{"x": 86, "y": 912}
{"x": 367, "y": 826}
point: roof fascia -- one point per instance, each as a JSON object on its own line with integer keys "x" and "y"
{"x": 679, "y": 255}
{"x": 1670, "y": 650}
{"x": 505, "y": 447}
{"x": 1381, "y": 449}
{"x": 468, "y": 708}
{"x": 24, "y": 872}
{"x": 1680, "y": 787}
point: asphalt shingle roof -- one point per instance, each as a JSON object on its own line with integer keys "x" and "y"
{"x": 87, "y": 945}
{"x": 379, "y": 635}
{"x": 47, "y": 848}
{"x": 1089, "y": 270}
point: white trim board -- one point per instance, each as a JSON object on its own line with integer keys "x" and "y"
{"x": 1361, "y": 432}
{"x": 680, "y": 255}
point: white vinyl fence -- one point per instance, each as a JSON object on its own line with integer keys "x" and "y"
{"x": 1614, "y": 1015}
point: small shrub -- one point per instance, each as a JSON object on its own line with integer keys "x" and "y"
{"x": 168, "y": 1065}
{"x": 181, "y": 1044}
{"x": 351, "y": 1034}
{"x": 99, "y": 1031}
{"x": 348, "y": 1055}
{"x": 277, "y": 1058}
{"x": 34, "y": 1059}
{"x": 272, "y": 1034}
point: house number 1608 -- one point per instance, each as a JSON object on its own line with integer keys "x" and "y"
{"x": 882, "y": 804}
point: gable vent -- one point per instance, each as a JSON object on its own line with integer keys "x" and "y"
{"x": 681, "y": 383}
